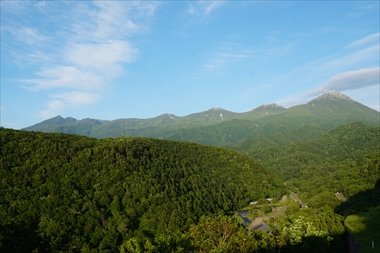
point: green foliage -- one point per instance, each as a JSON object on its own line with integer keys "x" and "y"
{"x": 262, "y": 201}
{"x": 69, "y": 193}
{"x": 266, "y": 209}
{"x": 65, "y": 193}
{"x": 284, "y": 138}
{"x": 325, "y": 198}
{"x": 316, "y": 231}
{"x": 293, "y": 207}
{"x": 345, "y": 160}
{"x": 214, "y": 234}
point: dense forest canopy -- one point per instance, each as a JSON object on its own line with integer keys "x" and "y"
{"x": 66, "y": 192}
{"x": 69, "y": 193}
{"x": 345, "y": 159}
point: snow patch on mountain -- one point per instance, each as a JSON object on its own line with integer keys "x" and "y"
{"x": 332, "y": 94}
{"x": 272, "y": 105}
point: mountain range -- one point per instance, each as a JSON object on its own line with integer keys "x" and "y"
{"x": 221, "y": 127}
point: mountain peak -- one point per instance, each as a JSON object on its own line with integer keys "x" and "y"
{"x": 332, "y": 95}
{"x": 216, "y": 109}
{"x": 272, "y": 105}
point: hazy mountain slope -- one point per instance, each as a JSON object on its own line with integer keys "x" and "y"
{"x": 333, "y": 109}
{"x": 67, "y": 125}
{"x": 263, "y": 111}
{"x": 53, "y": 122}
{"x": 226, "y": 133}
{"x": 210, "y": 117}
{"x": 295, "y": 135}
{"x": 340, "y": 109}
{"x": 327, "y": 111}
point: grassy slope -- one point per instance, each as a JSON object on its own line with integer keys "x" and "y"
{"x": 365, "y": 228}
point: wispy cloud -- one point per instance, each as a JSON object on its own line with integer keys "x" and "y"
{"x": 54, "y": 107}
{"x": 227, "y": 57}
{"x": 101, "y": 57}
{"x": 28, "y": 35}
{"x": 210, "y": 7}
{"x": 203, "y": 7}
{"x": 369, "y": 39}
{"x": 350, "y": 80}
{"x": 358, "y": 84}
{"x": 90, "y": 48}
{"x": 351, "y": 69}
{"x": 62, "y": 101}
{"x": 351, "y": 60}
{"x": 66, "y": 77}
{"x": 104, "y": 20}
{"x": 190, "y": 9}
{"x": 78, "y": 98}
{"x": 233, "y": 53}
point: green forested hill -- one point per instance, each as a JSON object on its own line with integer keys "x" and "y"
{"x": 345, "y": 159}
{"x": 280, "y": 139}
{"x": 63, "y": 192}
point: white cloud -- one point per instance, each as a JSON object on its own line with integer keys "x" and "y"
{"x": 361, "y": 85}
{"x": 14, "y": 7}
{"x": 212, "y": 6}
{"x": 227, "y": 56}
{"x": 223, "y": 59}
{"x": 40, "y": 3}
{"x": 203, "y": 8}
{"x": 350, "y": 80}
{"x": 77, "y": 98}
{"x": 111, "y": 19}
{"x": 54, "y": 108}
{"x": 369, "y": 39}
{"x": 67, "y": 77}
{"x": 357, "y": 57}
{"x": 232, "y": 53}
{"x": 60, "y": 102}
{"x": 103, "y": 57}
{"x": 191, "y": 9}
{"x": 88, "y": 47}
{"x": 28, "y": 35}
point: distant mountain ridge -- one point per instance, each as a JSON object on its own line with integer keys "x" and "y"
{"x": 221, "y": 127}
{"x": 66, "y": 125}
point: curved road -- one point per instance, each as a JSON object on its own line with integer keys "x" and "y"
{"x": 293, "y": 196}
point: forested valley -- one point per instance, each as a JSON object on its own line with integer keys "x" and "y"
{"x": 69, "y": 193}
{"x": 345, "y": 159}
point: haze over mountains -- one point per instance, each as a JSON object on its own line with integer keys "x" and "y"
{"x": 218, "y": 126}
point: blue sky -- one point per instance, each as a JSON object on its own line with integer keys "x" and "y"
{"x": 125, "y": 59}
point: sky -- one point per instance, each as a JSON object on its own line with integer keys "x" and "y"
{"x": 126, "y": 59}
